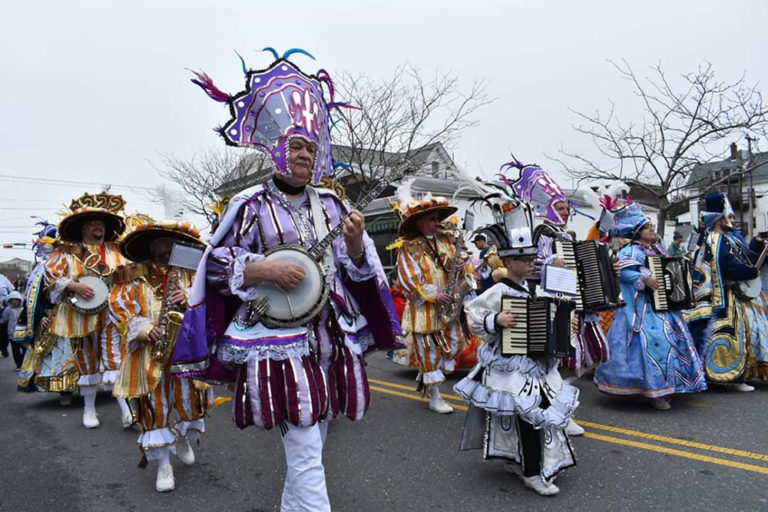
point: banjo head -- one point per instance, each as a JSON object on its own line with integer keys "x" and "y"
{"x": 95, "y": 304}
{"x": 299, "y": 305}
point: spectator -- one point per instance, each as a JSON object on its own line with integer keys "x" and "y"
{"x": 676, "y": 249}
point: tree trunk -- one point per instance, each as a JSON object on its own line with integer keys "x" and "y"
{"x": 662, "y": 221}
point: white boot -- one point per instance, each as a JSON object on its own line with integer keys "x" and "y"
{"x": 744, "y": 387}
{"x": 126, "y": 418}
{"x": 165, "y": 481}
{"x": 540, "y": 486}
{"x": 436, "y": 402}
{"x": 184, "y": 452}
{"x": 90, "y": 418}
{"x": 574, "y": 429}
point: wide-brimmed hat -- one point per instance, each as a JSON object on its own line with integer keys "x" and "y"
{"x": 86, "y": 208}
{"x": 136, "y": 245}
{"x": 418, "y": 209}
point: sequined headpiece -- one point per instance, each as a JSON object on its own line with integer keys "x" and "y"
{"x": 717, "y": 206}
{"x": 43, "y": 244}
{"x": 279, "y": 103}
{"x": 538, "y": 188}
{"x": 88, "y": 207}
{"x": 136, "y": 245}
{"x": 629, "y": 220}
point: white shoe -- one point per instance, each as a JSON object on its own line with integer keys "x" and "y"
{"x": 437, "y": 404}
{"x": 127, "y": 420}
{"x": 165, "y": 481}
{"x": 90, "y": 419}
{"x": 744, "y": 387}
{"x": 574, "y": 429}
{"x": 184, "y": 452}
{"x": 660, "y": 404}
{"x": 540, "y": 486}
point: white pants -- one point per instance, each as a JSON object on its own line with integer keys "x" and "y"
{"x": 304, "y": 489}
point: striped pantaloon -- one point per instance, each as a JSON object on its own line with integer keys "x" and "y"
{"x": 431, "y": 353}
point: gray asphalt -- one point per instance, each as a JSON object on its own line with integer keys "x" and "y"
{"x": 401, "y": 457}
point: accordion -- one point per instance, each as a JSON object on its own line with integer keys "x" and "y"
{"x": 675, "y": 291}
{"x": 542, "y": 327}
{"x": 598, "y": 285}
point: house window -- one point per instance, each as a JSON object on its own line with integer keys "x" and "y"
{"x": 434, "y": 168}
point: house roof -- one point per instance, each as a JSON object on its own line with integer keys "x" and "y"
{"x": 701, "y": 174}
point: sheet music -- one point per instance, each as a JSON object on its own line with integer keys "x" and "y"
{"x": 559, "y": 280}
{"x": 606, "y": 222}
{"x": 186, "y": 255}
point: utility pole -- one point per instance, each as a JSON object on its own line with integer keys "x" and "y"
{"x": 751, "y": 188}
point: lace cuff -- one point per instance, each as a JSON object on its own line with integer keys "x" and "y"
{"x": 355, "y": 273}
{"x": 235, "y": 275}
{"x": 490, "y": 323}
{"x": 645, "y": 273}
{"x": 138, "y": 330}
{"x": 58, "y": 293}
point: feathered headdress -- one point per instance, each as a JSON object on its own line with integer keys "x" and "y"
{"x": 536, "y": 186}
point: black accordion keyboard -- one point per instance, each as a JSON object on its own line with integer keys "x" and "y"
{"x": 542, "y": 327}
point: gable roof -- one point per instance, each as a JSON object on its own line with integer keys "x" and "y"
{"x": 701, "y": 174}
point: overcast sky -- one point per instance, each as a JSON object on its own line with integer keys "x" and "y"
{"x": 92, "y": 91}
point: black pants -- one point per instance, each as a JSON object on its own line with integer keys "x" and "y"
{"x": 530, "y": 443}
{"x": 4, "y": 339}
{"x": 19, "y": 350}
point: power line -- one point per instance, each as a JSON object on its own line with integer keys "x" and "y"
{"x": 51, "y": 181}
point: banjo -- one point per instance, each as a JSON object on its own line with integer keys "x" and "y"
{"x": 278, "y": 307}
{"x": 751, "y": 289}
{"x": 95, "y": 304}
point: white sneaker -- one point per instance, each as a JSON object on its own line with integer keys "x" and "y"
{"x": 127, "y": 420}
{"x": 540, "y": 486}
{"x": 744, "y": 387}
{"x": 184, "y": 452}
{"x": 574, "y": 429}
{"x": 165, "y": 481}
{"x": 437, "y": 404}
{"x": 90, "y": 419}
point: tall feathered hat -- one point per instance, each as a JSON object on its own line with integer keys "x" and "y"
{"x": 536, "y": 186}
{"x": 45, "y": 238}
{"x": 717, "y": 206}
{"x": 411, "y": 209}
{"x": 629, "y": 220}
{"x": 279, "y": 103}
{"x": 136, "y": 245}
{"x": 103, "y": 207}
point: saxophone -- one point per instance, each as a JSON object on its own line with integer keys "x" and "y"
{"x": 170, "y": 321}
{"x": 457, "y": 286}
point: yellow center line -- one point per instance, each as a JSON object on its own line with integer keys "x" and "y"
{"x": 674, "y": 440}
{"x": 412, "y": 388}
{"x": 597, "y": 426}
{"x": 679, "y": 453}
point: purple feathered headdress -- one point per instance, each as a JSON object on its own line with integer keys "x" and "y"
{"x": 536, "y": 187}
{"x": 279, "y": 103}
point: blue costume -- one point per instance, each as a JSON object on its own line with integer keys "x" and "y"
{"x": 652, "y": 352}
{"x": 731, "y": 331}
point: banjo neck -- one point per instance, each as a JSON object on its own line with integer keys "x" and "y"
{"x": 320, "y": 248}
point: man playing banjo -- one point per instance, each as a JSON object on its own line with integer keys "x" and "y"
{"x": 295, "y": 376}
{"x": 76, "y": 275}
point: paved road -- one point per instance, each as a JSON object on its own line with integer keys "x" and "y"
{"x": 709, "y": 452}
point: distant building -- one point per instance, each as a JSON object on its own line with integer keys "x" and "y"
{"x": 750, "y": 204}
{"x": 16, "y": 269}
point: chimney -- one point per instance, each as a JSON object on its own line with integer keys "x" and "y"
{"x": 734, "y": 151}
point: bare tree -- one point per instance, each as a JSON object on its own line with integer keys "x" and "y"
{"x": 202, "y": 176}
{"x": 674, "y": 131}
{"x": 398, "y": 116}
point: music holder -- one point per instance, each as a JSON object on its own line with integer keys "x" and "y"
{"x": 186, "y": 255}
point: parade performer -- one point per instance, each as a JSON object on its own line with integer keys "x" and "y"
{"x": 730, "y": 329}
{"x": 652, "y": 352}
{"x": 88, "y": 247}
{"x": 301, "y": 376}
{"x": 426, "y": 255}
{"x": 55, "y": 368}
{"x": 149, "y": 301}
{"x": 519, "y": 405}
{"x": 551, "y": 205}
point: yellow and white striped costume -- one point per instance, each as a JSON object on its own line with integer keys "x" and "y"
{"x": 423, "y": 265}
{"x": 155, "y": 393}
{"x": 96, "y": 342}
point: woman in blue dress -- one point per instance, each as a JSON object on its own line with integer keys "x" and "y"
{"x": 652, "y": 352}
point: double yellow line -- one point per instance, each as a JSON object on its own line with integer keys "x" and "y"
{"x": 402, "y": 391}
